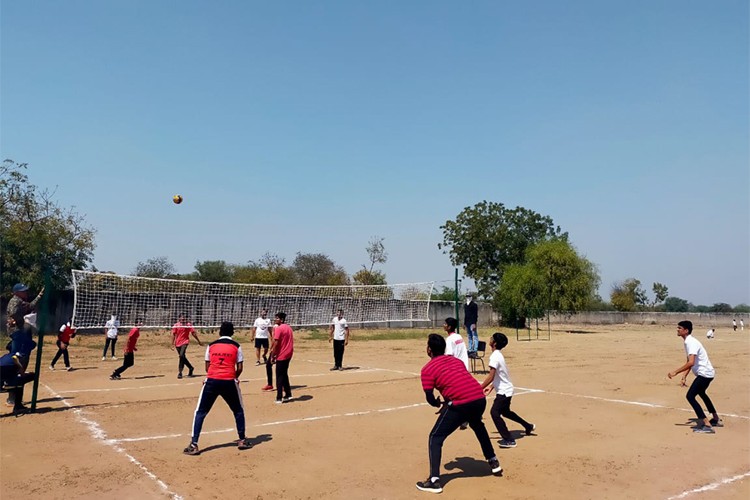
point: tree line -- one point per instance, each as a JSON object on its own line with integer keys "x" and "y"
{"x": 522, "y": 263}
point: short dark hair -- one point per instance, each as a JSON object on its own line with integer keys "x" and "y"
{"x": 687, "y": 325}
{"x": 500, "y": 340}
{"x": 452, "y": 323}
{"x": 226, "y": 329}
{"x": 281, "y": 316}
{"x": 436, "y": 343}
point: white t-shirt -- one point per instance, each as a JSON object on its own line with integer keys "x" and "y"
{"x": 112, "y": 325}
{"x": 261, "y": 327}
{"x": 339, "y": 328}
{"x": 455, "y": 346}
{"x": 702, "y": 366}
{"x": 710, "y": 333}
{"x": 501, "y": 382}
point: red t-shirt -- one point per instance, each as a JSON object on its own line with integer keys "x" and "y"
{"x": 66, "y": 333}
{"x": 181, "y": 332}
{"x": 222, "y": 356}
{"x": 284, "y": 337}
{"x": 132, "y": 339}
{"x": 449, "y": 376}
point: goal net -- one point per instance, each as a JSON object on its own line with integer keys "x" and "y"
{"x": 159, "y": 302}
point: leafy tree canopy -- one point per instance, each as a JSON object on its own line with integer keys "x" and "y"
{"x": 38, "y": 235}
{"x": 676, "y": 304}
{"x": 157, "y": 267}
{"x": 487, "y": 238}
{"x": 628, "y": 295}
{"x": 318, "y": 269}
{"x": 554, "y": 277}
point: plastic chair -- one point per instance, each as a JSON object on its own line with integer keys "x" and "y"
{"x": 478, "y": 356}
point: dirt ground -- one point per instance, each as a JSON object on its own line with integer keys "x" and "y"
{"x": 609, "y": 425}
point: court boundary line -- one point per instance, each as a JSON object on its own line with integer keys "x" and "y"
{"x": 711, "y": 486}
{"x": 99, "y": 434}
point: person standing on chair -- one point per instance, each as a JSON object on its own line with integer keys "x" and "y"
{"x": 471, "y": 317}
{"x": 339, "y": 334}
{"x": 181, "y": 332}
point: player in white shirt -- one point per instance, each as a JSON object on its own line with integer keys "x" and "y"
{"x": 339, "y": 334}
{"x": 710, "y": 333}
{"x": 698, "y": 362}
{"x": 110, "y": 328}
{"x": 499, "y": 377}
{"x": 261, "y": 329}
{"x": 454, "y": 343}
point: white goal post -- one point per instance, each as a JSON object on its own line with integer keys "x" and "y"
{"x": 158, "y": 303}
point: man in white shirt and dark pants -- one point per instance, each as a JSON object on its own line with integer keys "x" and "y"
{"x": 697, "y": 360}
{"x": 339, "y": 334}
{"x": 261, "y": 328}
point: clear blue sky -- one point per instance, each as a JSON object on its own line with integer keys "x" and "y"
{"x": 313, "y": 126}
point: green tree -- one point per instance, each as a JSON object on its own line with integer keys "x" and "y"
{"x": 216, "y": 271}
{"x": 554, "y": 277}
{"x": 318, "y": 269}
{"x": 446, "y": 293}
{"x": 628, "y": 295}
{"x": 270, "y": 269}
{"x": 377, "y": 255}
{"x": 661, "y": 292}
{"x": 37, "y": 234}
{"x": 721, "y": 307}
{"x": 158, "y": 267}
{"x": 742, "y": 308}
{"x": 487, "y": 238}
{"x": 676, "y": 304}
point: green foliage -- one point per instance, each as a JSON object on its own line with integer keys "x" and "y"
{"x": 661, "y": 292}
{"x": 216, "y": 271}
{"x": 487, "y": 238}
{"x": 318, "y": 269}
{"x": 367, "y": 277}
{"x": 676, "y": 304}
{"x": 554, "y": 277}
{"x": 158, "y": 267}
{"x": 742, "y": 308}
{"x": 628, "y": 295}
{"x": 269, "y": 270}
{"x": 446, "y": 294}
{"x": 721, "y": 307}
{"x": 37, "y": 235}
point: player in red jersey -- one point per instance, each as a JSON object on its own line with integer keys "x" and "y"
{"x": 181, "y": 332}
{"x": 464, "y": 402}
{"x": 129, "y": 351}
{"x": 66, "y": 333}
{"x": 223, "y": 368}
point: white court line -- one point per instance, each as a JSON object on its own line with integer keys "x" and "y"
{"x": 279, "y": 422}
{"x": 98, "y": 433}
{"x": 200, "y": 382}
{"x": 635, "y": 403}
{"x": 711, "y": 487}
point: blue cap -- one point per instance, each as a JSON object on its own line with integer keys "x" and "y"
{"x": 20, "y": 287}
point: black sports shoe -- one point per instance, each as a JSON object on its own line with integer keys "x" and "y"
{"x": 495, "y": 466}
{"x": 430, "y": 485}
{"x": 192, "y": 449}
{"x": 244, "y": 444}
{"x": 190, "y": 374}
{"x": 530, "y": 429}
{"x": 716, "y": 422}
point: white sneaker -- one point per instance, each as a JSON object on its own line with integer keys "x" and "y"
{"x": 69, "y": 368}
{"x": 51, "y": 367}
{"x": 104, "y": 358}
{"x": 114, "y": 357}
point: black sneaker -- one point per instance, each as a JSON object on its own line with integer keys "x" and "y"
{"x": 192, "y": 449}
{"x": 430, "y": 485}
{"x": 335, "y": 368}
{"x": 495, "y": 466}
{"x": 179, "y": 375}
{"x": 114, "y": 376}
{"x": 530, "y": 429}
{"x": 706, "y": 429}
{"x": 716, "y": 422}
{"x": 504, "y": 443}
{"x": 244, "y": 444}
{"x": 190, "y": 374}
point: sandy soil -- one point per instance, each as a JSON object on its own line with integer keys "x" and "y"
{"x": 610, "y": 425}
